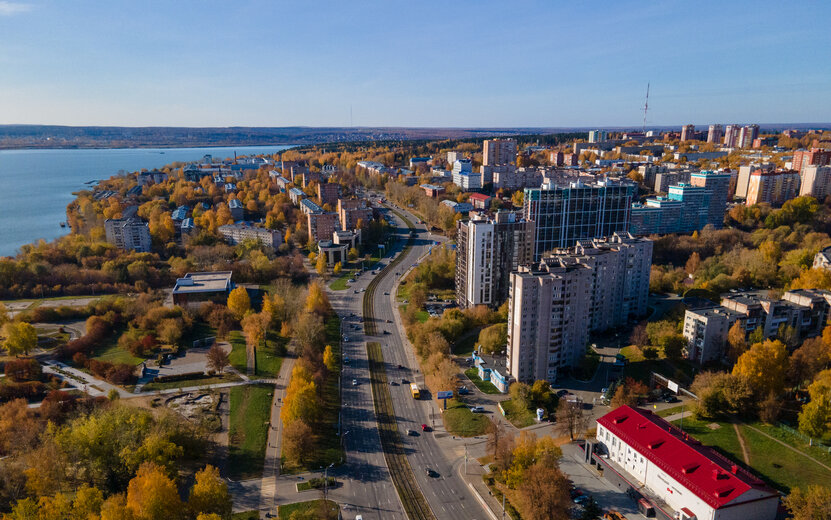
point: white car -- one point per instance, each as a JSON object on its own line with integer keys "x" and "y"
{"x": 354, "y": 382}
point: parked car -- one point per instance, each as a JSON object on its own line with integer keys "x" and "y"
{"x": 477, "y": 409}
{"x": 463, "y": 390}
{"x": 431, "y": 473}
{"x": 386, "y": 293}
{"x": 354, "y": 382}
{"x": 581, "y": 499}
{"x": 412, "y": 433}
{"x": 351, "y": 280}
{"x": 671, "y": 399}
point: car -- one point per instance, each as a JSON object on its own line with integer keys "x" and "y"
{"x": 351, "y": 280}
{"x": 386, "y": 331}
{"x": 671, "y": 399}
{"x": 359, "y": 517}
{"x": 354, "y": 382}
{"x": 389, "y": 321}
{"x": 386, "y": 293}
{"x": 393, "y": 383}
{"x": 463, "y": 390}
{"x": 405, "y": 381}
{"x": 346, "y": 359}
{"x": 400, "y": 367}
{"x": 357, "y": 291}
{"x": 581, "y": 499}
{"x": 346, "y": 339}
{"x": 412, "y": 433}
{"x": 477, "y": 409}
{"x": 561, "y": 393}
{"x": 431, "y": 473}
{"x": 425, "y": 428}
{"x": 363, "y": 289}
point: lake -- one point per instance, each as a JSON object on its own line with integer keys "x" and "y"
{"x": 37, "y": 185}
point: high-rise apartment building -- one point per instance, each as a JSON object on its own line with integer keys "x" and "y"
{"x": 773, "y": 187}
{"x": 718, "y": 184}
{"x": 816, "y": 181}
{"x": 715, "y": 134}
{"x": 497, "y": 152}
{"x": 128, "y": 233}
{"x": 328, "y": 193}
{"x": 687, "y": 207}
{"x": 598, "y": 136}
{"x": 554, "y": 305}
{"x": 452, "y": 157}
{"x": 487, "y": 251}
{"x": 321, "y": 225}
{"x": 747, "y": 135}
{"x": 564, "y": 214}
{"x": 351, "y": 211}
{"x": 731, "y": 135}
{"x": 812, "y": 157}
{"x": 687, "y": 133}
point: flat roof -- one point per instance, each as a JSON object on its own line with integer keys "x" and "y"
{"x": 710, "y": 476}
{"x": 218, "y": 281}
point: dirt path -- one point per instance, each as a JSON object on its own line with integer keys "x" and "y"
{"x": 745, "y": 455}
{"x": 789, "y": 447}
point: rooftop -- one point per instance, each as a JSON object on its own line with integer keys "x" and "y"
{"x": 218, "y": 281}
{"x": 710, "y": 476}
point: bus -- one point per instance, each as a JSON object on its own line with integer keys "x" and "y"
{"x": 414, "y": 390}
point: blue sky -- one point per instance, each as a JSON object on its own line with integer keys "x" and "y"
{"x": 425, "y": 63}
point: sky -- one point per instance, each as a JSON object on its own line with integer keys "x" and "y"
{"x": 450, "y": 63}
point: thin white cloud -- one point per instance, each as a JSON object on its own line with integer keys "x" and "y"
{"x": 12, "y": 8}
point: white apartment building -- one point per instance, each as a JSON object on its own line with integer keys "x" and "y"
{"x": 464, "y": 177}
{"x": 816, "y": 181}
{"x": 691, "y": 481}
{"x": 236, "y": 233}
{"x": 128, "y": 233}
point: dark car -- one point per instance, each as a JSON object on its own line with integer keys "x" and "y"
{"x": 400, "y": 367}
{"x": 463, "y": 390}
{"x": 671, "y": 399}
{"x": 425, "y": 428}
{"x": 431, "y": 473}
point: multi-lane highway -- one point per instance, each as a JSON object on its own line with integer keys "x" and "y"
{"x": 370, "y": 491}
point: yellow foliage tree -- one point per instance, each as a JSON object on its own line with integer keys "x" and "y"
{"x": 209, "y": 494}
{"x": 320, "y": 264}
{"x": 316, "y": 300}
{"x": 238, "y": 302}
{"x": 152, "y": 495}
{"x": 337, "y": 269}
{"x": 301, "y": 403}
{"x": 329, "y": 358}
{"x": 764, "y": 365}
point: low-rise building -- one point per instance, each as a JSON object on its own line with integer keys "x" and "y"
{"x": 203, "y": 287}
{"x": 237, "y": 211}
{"x": 282, "y": 183}
{"x": 345, "y": 237}
{"x": 431, "y": 190}
{"x": 236, "y": 233}
{"x": 687, "y": 480}
{"x": 480, "y": 200}
{"x": 334, "y": 252}
{"x": 128, "y": 233}
{"x": 458, "y": 207}
{"x": 822, "y": 259}
{"x": 415, "y": 161}
{"x": 493, "y": 369}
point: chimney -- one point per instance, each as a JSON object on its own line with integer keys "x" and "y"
{"x": 734, "y": 469}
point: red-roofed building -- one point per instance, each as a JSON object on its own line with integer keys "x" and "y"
{"x": 694, "y": 480}
{"x": 480, "y": 200}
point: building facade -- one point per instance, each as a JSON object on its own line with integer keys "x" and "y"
{"x": 772, "y": 187}
{"x": 715, "y": 134}
{"x": 816, "y": 181}
{"x": 687, "y": 133}
{"x": 321, "y": 225}
{"x": 128, "y": 233}
{"x": 236, "y": 233}
{"x": 691, "y": 481}
{"x": 328, "y": 193}
{"x": 487, "y": 251}
{"x": 812, "y": 157}
{"x": 564, "y": 214}
{"x": 350, "y": 211}
{"x": 497, "y": 152}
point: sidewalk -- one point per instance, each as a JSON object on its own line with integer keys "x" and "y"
{"x": 271, "y": 467}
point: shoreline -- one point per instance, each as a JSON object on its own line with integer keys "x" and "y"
{"x": 141, "y": 147}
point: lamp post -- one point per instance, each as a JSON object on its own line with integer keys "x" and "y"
{"x": 326, "y": 481}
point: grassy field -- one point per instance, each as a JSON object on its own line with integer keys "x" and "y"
{"x": 250, "y": 415}
{"x": 340, "y": 283}
{"x": 284, "y": 512}
{"x": 268, "y": 361}
{"x": 459, "y": 420}
{"x": 518, "y": 415}
{"x": 675, "y": 409}
{"x": 114, "y": 354}
{"x": 485, "y": 386}
{"x": 775, "y": 464}
{"x": 196, "y": 381}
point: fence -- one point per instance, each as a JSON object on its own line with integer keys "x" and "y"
{"x": 811, "y": 441}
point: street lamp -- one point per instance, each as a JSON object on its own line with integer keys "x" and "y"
{"x": 326, "y": 481}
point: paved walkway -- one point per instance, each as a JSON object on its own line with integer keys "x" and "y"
{"x": 271, "y": 466}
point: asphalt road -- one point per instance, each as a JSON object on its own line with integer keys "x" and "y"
{"x": 371, "y": 492}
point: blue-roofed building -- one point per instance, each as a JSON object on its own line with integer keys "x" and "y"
{"x": 458, "y": 207}
{"x": 237, "y": 211}
{"x": 180, "y": 213}
{"x": 296, "y": 195}
{"x": 307, "y": 207}
{"x": 187, "y": 225}
{"x": 230, "y": 187}
{"x": 414, "y": 161}
{"x": 493, "y": 369}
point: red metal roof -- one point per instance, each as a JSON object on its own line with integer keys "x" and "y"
{"x": 710, "y": 476}
{"x": 479, "y": 196}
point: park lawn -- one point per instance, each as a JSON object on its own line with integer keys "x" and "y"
{"x": 818, "y": 452}
{"x": 675, "y": 409}
{"x": 723, "y": 438}
{"x": 459, "y": 420}
{"x": 779, "y": 466}
{"x": 268, "y": 361}
{"x": 111, "y": 352}
{"x": 487, "y": 387}
{"x": 519, "y": 416}
{"x": 248, "y": 432}
{"x": 203, "y": 380}
{"x": 284, "y": 512}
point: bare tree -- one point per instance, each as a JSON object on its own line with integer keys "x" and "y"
{"x": 500, "y": 444}
{"x": 217, "y": 358}
{"x": 570, "y": 418}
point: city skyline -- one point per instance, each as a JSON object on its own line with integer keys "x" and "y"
{"x": 463, "y": 65}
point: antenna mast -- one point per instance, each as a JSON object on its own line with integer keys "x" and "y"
{"x": 645, "y": 107}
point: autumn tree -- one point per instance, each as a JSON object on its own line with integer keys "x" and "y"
{"x": 151, "y": 494}
{"x": 639, "y": 336}
{"x": 570, "y": 419}
{"x": 19, "y": 338}
{"x": 813, "y": 503}
{"x": 254, "y": 327}
{"x": 520, "y": 394}
{"x": 297, "y": 441}
{"x": 337, "y": 268}
{"x": 764, "y": 366}
{"x": 629, "y": 393}
{"x": 309, "y": 331}
{"x": 238, "y": 302}
{"x": 321, "y": 264}
{"x": 815, "y": 417}
{"x": 209, "y": 494}
{"x": 218, "y": 359}
{"x": 329, "y": 359}
{"x": 544, "y": 492}
{"x": 499, "y": 444}
{"x": 808, "y": 360}
{"x": 736, "y": 343}
{"x": 494, "y": 338}
{"x": 316, "y": 299}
